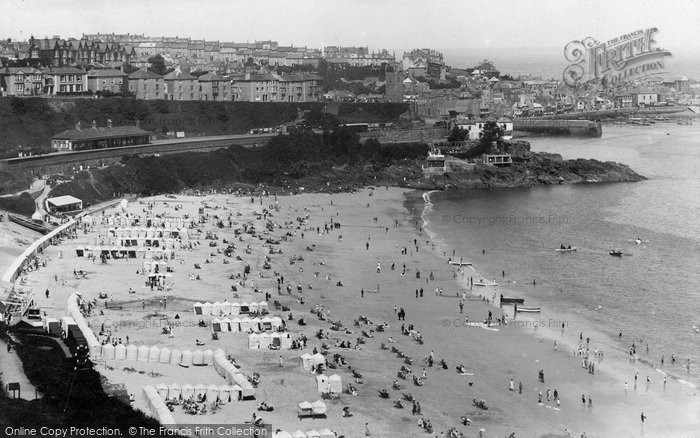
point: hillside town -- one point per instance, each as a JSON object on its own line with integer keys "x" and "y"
{"x": 185, "y": 69}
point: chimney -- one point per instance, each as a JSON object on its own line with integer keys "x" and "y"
{"x": 109, "y": 123}
{"x": 77, "y": 126}
{"x": 138, "y": 123}
{"x": 94, "y": 124}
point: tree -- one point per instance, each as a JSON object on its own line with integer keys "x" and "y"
{"x": 457, "y": 134}
{"x": 157, "y": 65}
{"x": 490, "y": 133}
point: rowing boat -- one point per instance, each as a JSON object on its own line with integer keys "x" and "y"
{"x": 528, "y": 309}
{"x": 456, "y": 263}
{"x": 565, "y": 249}
{"x": 512, "y": 300}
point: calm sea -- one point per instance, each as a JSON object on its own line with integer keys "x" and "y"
{"x": 651, "y": 294}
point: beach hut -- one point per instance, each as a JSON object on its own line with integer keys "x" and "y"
{"x": 226, "y": 325}
{"x": 162, "y": 389}
{"x": 286, "y": 340}
{"x": 197, "y": 308}
{"x": 108, "y": 351}
{"x": 235, "y": 324}
{"x": 225, "y": 308}
{"x": 246, "y": 324}
{"x": 318, "y": 359}
{"x": 266, "y": 323}
{"x": 247, "y": 390}
{"x": 299, "y": 433}
{"x": 306, "y": 361}
{"x": 236, "y": 392}
{"x": 276, "y": 322}
{"x": 175, "y": 356}
{"x": 143, "y": 354}
{"x": 253, "y": 341}
{"x": 257, "y": 324}
{"x": 79, "y": 251}
{"x": 216, "y": 325}
{"x": 174, "y": 391}
{"x": 335, "y": 384}
{"x": 187, "y": 391}
{"x": 322, "y": 383}
{"x": 263, "y": 307}
{"x": 327, "y": 433}
{"x": 245, "y": 308}
{"x": 319, "y": 408}
{"x": 206, "y": 308}
{"x": 275, "y": 341}
{"x": 264, "y": 341}
{"x": 312, "y": 434}
{"x": 235, "y": 308}
{"x": 198, "y": 357}
{"x": 200, "y": 391}
{"x": 208, "y": 357}
{"x": 153, "y": 354}
{"x": 216, "y": 309}
{"x": 132, "y": 352}
{"x": 120, "y": 352}
{"x": 164, "y": 355}
{"x": 224, "y": 393}
{"x": 252, "y": 307}
{"x": 212, "y": 393}
{"x": 186, "y": 359}
{"x": 305, "y": 409}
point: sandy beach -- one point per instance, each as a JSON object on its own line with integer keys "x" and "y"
{"x": 339, "y": 263}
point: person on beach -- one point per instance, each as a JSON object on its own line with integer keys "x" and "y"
{"x": 520, "y": 387}
{"x": 281, "y": 362}
{"x": 539, "y": 397}
{"x": 367, "y": 432}
{"x": 461, "y": 307}
{"x": 643, "y": 417}
{"x": 511, "y": 385}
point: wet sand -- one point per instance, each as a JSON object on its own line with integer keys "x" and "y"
{"x": 491, "y": 356}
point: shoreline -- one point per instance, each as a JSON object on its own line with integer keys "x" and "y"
{"x": 500, "y": 354}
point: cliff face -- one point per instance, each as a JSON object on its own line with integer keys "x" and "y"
{"x": 531, "y": 169}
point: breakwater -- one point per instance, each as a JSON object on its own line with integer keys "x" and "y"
{"x": 584, "y": 128}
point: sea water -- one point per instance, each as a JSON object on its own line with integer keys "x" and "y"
{"x": 651, "y": 294}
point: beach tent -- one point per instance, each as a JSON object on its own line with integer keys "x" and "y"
{"x": 198, "y": 357}
{"x": 212, "y": 393}
{"x": 153, "y": 354}
{"x": 216, "y": 309}
{"x": 284, "y": 434}
{"x": 162, "y": 389}
{"x": 252, "y": 307}
{"x": 275, "y": 340}
{"x": 120, "y": 352}
{"x": 264, "y": 341}
{"x": 200, "y": 391}
{"x": 266, "y": 323}
{"x": 246, "y": 324}
{"x": 312, "y": 434}
{"x": 286, "y": 340}
{"x": 175, "y": 356}
{"x": 235, "y": 308}
{"x": 276, "y": 322}
{"x": 299, "y": 433}
{"x": 164, "y": 355}
{"x": 262, "y": 306}
{"x": 253, "y": 341}
{"x": 186, "y": 359}
{"x": 187, "y": 391}
{"x": 143, "y": 354}
{"x": 236, "y": 392}
{"x": 224, "y": 325}
{"x": 335, "y": 384}
{"x": 319, "y": 407}
{"x": 79, "y": 251}
{"x": 235, "y": 324}
{"x": 226, "y": 308}
{"x": 306, "y": 361}
{"x": 224, "y": 393}
{"x": 322, "y": 383}
{"x": 318, "y": 359}
{"x": 108, "y": 351}
{"x": 206, "y": 308}
{"x": 327, "y": 433}
{"x": 132, "y": 352}
{"x": 208, "y": 357}
{"x": 247, "y": 390}
{"x": 245, "y": 308}
{"x": 174, "y": 391}
{"x": 305, "y": 408}
{"x": 257, "y": 324}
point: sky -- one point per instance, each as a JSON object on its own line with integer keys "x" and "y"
{"x": 391, "y": 24}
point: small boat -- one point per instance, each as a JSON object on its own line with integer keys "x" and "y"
{"x": 32, "y": 224}
{"x": 485, "y": 283}
{"x": 528, "y": 309}
{"x": 505, "y": 300}
{"x": 566, "y": 249}
{"x": 616, "y": 253}
{"x": 457, "y": 263}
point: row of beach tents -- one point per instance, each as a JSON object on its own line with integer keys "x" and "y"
{"x": 326, "y": 384}
{"x": 228, "y": 308}
{"x": 154, "y": 354}
{"x": 157, "y": 406}
{"x": 308, "y": 361}
{"x": 233, "y": 375}
{"x": 148, "y": 232}
{"x": 275, "y": 340}
{"x": 245, "y": 324}
{"x": 199, "y": 392}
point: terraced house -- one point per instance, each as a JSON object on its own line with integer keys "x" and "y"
{"x": 64, "y": 80}
{"x": 180, "y": 86}
{"x": 113, "y": 81}
{"x": 146, "y": 85}
{"x": 302, "y": 87}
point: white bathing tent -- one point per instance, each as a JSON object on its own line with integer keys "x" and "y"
{"x": 253, "y": 341}
{"x": 216, "y": 325}
{"x": 224, "y": 393}
{"x": 235, "y": 324}
{"x": 235, "y": 308}
{"x": 266, "y": 323}
{"x": 312, "y": 434}
{"x": 200, "y": 391}
{"x": 264, "y": 340}
{"x": 187, "y": 391}
{"x": 108, "y": 351}
{"x": 262, "y": 305}
{"x": 226, "y": 325}
{"x": 276, "y": 322}
{"x": 319, "y": 407}
{"x": 212, "y": 393}
{"x": 318, "y": 359}
{"x": 153, "y": 354}
{"x": 198, "y": 309}
{"x": 120, "y": 352}
{"x": 327, "y": 433}
{"x": 322, "y": 383}
{"x": 335, "y": 384}
{"x": 164, "y": 355}
{"x": 306, "y": 361}
{"x": 226, "y": 308}
{"x": 174, "y": 391}
{"x": 162, "y": 389}
{"x": 216, "y": 309}
{"x": 132, "y": 352}
{"x": 143, "y": 354}
{"x": 236, "y": 392}
{"x": 208, "y": 357}
{"x": 198, "y": 357}
{"x": 299, "y": 433}
{"x": 186, "y": 359}
{"x": 206, "y": 308}
{"x": 284, "y": 434}
{"x": 175, "y": 356}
